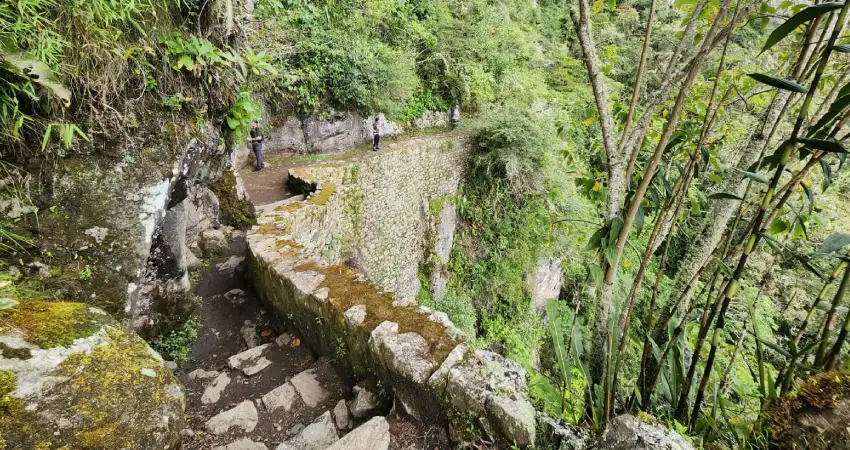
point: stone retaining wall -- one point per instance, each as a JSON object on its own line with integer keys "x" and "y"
{"x": 373, "y": 215}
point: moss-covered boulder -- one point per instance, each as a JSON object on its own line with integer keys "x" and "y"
{"x": 72, "y": 377}
{"x": 815, "y": 416}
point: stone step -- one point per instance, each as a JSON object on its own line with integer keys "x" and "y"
{"x": 242, "y": 416}
{"x": 212, "y": 392}
{"x": 372, "y": 435}
{"x": 308, "y": 387}
{"x": 242, "y": 444}
{"x": 317, "y": 436}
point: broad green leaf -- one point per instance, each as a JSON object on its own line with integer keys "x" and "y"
{"x": 810, "y": 195}
{"x": 724, "y": 196}
{"x": 27, "y": 66}
{"x": 756, "y": 177}
{"x": 595, "y": 273}
{"x": 834, "y": 110}
{"x": 7, "y": 303}
{"x": 779, "y": 225}
{"x": 186, "y": 61}
{"x": 798, "y": 19}
{"x": 778, "y": 83}
{"x": 823, "y": 144}
{"x": 834, "y": 242}
{"x": 715, "y": 178}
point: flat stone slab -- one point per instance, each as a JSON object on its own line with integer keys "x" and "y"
{"x": 257, "y": 367}
{"x": 248, "y": 356}
{"x": 242, "y": 444}
{"x": 308, "y": 387}
{"x": 212, "y": 393}
{"x": 202, "y": 374}
{"x": 372, "y": 435}
{"x": 317, "y": 436}
{"x": 242, "y": 416}
{"x": 283, "y": 396}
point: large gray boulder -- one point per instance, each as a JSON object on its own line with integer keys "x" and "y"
{"x": 72, "y": 377}
{"x": 559, "y": 435}
{"x": 285, "y": 135}
{"x": 340, "y": 132}
{"x": 626, "y": 432}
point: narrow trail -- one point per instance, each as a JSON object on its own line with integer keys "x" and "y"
{"x": 271, "y": 184}
{"x": 251, "y": 384}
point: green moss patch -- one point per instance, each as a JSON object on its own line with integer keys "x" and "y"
{"x": 324, "y": 195}
{"x": 235, "y": 212}
{"x": 347, "y": 291}
{"x": 14, "y": 353}
{"x": 109, "y": 389}
{"x": 50, "y": 324}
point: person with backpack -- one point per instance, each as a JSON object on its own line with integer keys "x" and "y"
{"x": 256, "y": 142}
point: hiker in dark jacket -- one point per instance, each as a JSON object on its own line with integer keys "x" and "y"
{"x": 256, "y": 141}
{"x": 376, "y": 134}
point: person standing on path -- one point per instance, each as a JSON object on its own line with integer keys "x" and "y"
{"x": 455, "y": 116}
{"x": 376, "y": 134}
{"x": 256, "y": 141}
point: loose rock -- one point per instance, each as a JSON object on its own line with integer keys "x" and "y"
{"x": 242, "y": 416}
{"x": 213, "y": 242}
{"x": 372, "y": 435}
{"x": 212, "y": 393}
{"x": 365, "y": 402}
{"x": 242, "y": 444}
{"x": 342, "y": 417}
{"x": 316, "y": 436}
{"x": 257, "y": 367}
{"x": 626, "y": 432}
{"x": 249, "y": 356}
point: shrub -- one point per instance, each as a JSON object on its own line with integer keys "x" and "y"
{"x": 512, "y": 147}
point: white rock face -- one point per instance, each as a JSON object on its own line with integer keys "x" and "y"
{"x": 242, "y": 416}
{"x": 372, "y": 435}
{"x": 342, "y": 417}
{"x": 546, "y": 283}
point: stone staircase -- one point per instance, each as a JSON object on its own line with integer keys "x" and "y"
{"x": 250, "y": 386}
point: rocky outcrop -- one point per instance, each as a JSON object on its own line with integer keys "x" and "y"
{"x": 72, "y": 377}
{"x": 626, "y": 432}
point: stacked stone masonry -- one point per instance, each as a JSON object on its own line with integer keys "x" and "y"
{"x": 341, "y": 265}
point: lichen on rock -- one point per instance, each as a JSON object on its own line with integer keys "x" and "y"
{"x": 92, "y": 385}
